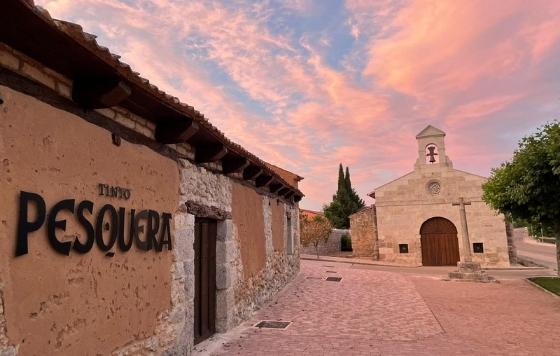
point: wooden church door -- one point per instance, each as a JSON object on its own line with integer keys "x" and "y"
{"x": 440, "y": 246}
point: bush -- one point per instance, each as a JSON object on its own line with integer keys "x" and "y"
{"x": 345, "y": 243}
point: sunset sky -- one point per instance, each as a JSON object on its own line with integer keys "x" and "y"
{"x": 307, "y": 85}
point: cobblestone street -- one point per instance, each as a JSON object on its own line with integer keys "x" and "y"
{"x": 372, "y": 312}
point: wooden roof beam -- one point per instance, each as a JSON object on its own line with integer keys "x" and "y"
{"x": 176, "y": 131}
{"x": 283, "y": 191}
{"x": 263, "y": 180}
{"x": 234, "y": 165}
{"x": 98, "y": 93}
{"x": 209, "y": 153}
{"x": 251, "y": 171}
{"x": 275, "y": 186}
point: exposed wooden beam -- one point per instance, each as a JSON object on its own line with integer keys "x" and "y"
{"x": 234, "y": 165}
{"x": 251, "y": 172}
{"x": 289, "y": 194}
{"x": 263, "y": 180}
{"x": 176, "y": 131}
{"x": 274, "y": 186}
{"x": 210, "y": 153}
{"x": 98, "y": 93}
{"x": 283, "y": 191}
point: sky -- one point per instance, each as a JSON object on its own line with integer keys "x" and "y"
{"x": 307, "y": 85}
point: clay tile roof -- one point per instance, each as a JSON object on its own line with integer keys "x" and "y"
{"x": 88, "y": 41}
{"x": 290, "y": 177}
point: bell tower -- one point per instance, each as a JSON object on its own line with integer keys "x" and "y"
{"x": 431, "y": 149}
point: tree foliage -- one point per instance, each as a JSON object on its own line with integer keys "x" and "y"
{"x": 314, "y": 231}
{"x": 345, "y": 202}
{"x": 528, "y": 187}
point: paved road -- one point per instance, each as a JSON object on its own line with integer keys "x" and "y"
{"x": 376, "y": 312}
{"x": 541, "y": 253}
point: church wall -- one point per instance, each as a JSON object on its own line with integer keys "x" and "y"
{"x": 403, "y": 205}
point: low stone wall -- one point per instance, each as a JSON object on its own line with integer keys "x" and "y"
{"x": 512, "y": 249}
{"x": 363, "y": 228}
{"x": 520, "y": 233}
{"x": 329, "y": 247}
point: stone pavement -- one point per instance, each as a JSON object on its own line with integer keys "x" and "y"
{"x": 374, "y": 312}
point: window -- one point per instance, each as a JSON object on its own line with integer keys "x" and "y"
{"x": 478, "y": 247}
{"x": 289, "y": 237}
{"x": 403, "y": 248}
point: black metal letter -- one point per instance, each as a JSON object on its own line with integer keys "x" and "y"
{"x": 142, "y": 245}
{"x": 90, "y": 233}
{"x": 53, "y": 224}
{"x": 165, "y": 235}
{"x": 24, "y": 226}
{"x": 153, "y": 227}
{"x": 125, "y": 246}
{"x": 99, "y": 228}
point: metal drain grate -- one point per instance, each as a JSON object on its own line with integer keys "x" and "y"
{"x": 273, "y": 324}
{"x": 334, "y": 279}
{"x": 332, "y": 272}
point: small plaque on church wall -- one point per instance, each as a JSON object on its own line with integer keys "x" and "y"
{"x": 403, "y": 248}
{"x": 478, "y": 247}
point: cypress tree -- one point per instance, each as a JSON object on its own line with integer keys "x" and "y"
{"x": 341, "y": 178}
{"x": 345, "y": 202}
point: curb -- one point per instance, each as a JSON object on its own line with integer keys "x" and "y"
{"x": 322, "y": 259}
{"x": 350, "y": 261}
{"x": 541, "y": 288}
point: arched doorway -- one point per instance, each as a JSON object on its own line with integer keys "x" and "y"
{"x": 440, "y": 246}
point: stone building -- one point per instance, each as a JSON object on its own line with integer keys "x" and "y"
{"x": 129, "y": 224}
{"x": 414, "y": 220}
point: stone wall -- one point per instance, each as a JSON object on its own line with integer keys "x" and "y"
{"x": 520, "y": 233}
{"x": 512, "y": 249}
{"x": 364, "y": 233}
{"x": 135, "y": 303}
{"x": 332, "y": 246}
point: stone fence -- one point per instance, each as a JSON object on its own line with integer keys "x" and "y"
{"x": 331, "y": 246}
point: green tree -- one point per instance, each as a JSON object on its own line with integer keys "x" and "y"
{"x": 314, "y": 231}
{"x": 528, "y": 187}
{"x": 353, "y": 195}
{"x": 345, "y": 202}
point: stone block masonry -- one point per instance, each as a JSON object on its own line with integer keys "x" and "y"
{"x": 364, "y": 233}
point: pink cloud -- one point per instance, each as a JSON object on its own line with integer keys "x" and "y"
{"x": 466, "y": 67}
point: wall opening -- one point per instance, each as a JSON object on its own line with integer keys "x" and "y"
{"x": 432, "y": 154}
{"x": 289, "y": 237}
{"x": 205, "y": 233}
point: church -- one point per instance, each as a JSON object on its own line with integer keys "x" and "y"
{"x": 428, "y": 216}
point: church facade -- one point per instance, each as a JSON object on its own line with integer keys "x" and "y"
{"x": 416, "y": 219}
